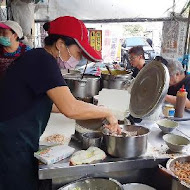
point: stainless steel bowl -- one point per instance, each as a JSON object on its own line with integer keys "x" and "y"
{"x": 91, "y": 139}
{"x": 137, "y": 186}
{"x": 93, "y": 184}
{"x": 128, "y": 146}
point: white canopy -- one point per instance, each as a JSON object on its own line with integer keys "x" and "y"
{"x": 107, "y": 9}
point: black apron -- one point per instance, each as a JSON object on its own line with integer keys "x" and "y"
{"x": 19, "y": 139}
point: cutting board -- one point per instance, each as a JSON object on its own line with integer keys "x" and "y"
{"x": 58, "y": 124}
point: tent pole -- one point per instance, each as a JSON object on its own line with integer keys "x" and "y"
{"x": 9, "y": 13}
{"x": 187, "y": 49}
{"x": 186, "y": 55}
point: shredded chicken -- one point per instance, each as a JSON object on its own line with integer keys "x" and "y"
{"x": 56, "y": 138}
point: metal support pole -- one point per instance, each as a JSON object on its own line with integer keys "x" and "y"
{"x": 186, "y": 55}
{"x": 9, "y": 13}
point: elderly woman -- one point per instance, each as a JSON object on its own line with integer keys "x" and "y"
{"x": 10, "y": 45}
{"x": 177, "y": 80}
{"x": 28, "y": 90}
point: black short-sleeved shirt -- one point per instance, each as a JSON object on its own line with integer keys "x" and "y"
{"x": 135, "y": 71}
{"x": 27, "y": 81}
{"x": 186, "y": 82}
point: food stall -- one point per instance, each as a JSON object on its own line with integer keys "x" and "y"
{"x": 140, "y": 166}
{"x": 143, "y": 169}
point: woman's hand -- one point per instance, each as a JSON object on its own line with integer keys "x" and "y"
{"x": 113, "y": 125}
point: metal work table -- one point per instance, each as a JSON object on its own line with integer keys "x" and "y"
{"x": 119, "y": 168}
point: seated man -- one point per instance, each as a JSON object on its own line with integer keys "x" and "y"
{"x": 137, "y": 59}
{"x": 177, "y": 80}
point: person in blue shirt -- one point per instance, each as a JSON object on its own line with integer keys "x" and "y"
{"x": 31, "y": 85}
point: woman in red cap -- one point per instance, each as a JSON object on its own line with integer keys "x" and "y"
{"x": 11, "y": 46}
{"x": 28, "y": 90}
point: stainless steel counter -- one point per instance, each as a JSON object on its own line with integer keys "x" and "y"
{"x": 114, "y": 167}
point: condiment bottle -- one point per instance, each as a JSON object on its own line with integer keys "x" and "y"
{"x": 180, "y": 102}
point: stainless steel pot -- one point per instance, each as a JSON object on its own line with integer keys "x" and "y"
{"x": 118, "y": 80}
{"x": 129, "y": 146}
{"x": 87, "y": 87}
{"x": 178, "y": 184}
{"x": 94, "y": 184}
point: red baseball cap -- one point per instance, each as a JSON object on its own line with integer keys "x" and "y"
{"x": 74, "y": 28}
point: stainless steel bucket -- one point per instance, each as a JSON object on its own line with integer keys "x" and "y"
{"x": 130, "y": 146}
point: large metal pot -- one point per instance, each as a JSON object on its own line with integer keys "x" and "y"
{"x": 178, "y": 184}
{"x": 94, "y": 184}
{"x": 87, "y": 87}
{"x": 117, "y": 80}
{"x": 130, "y": 146}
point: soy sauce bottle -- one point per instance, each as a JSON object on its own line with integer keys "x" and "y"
{"x": 180, "y": 102}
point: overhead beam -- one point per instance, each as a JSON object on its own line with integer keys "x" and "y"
{"x": 129, "y": 20}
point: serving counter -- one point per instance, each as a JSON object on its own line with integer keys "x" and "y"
{"x": 143, "y": 169}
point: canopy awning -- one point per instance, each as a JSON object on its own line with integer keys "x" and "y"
{"x": 108, "y": 9}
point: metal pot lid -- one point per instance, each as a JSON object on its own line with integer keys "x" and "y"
{"x": 149, "y": 89}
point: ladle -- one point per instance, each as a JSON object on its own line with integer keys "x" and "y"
{"x": 107, "y": 67}
{"x": 84, "y": 70}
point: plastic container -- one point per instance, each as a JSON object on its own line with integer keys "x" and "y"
{"x": 169, "y": 110}
{"x": 180, "y": 102}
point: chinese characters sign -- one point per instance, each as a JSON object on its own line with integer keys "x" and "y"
{"x": 174, "y": 33}
{"x": 95, "y": 38}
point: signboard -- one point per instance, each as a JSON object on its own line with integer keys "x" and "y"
{"x": 111, "y": 46}
{"x": 174, "y": 33}
{"x": 95, "y": 38}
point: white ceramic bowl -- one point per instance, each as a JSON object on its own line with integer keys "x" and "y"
{"x": 137, "y": 186}
{"x": 166, "y": 125}
{"x": 176, "y": 143}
